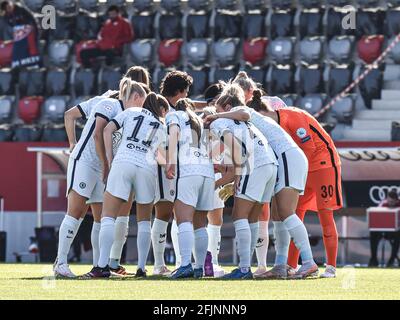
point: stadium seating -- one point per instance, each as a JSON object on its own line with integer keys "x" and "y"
{"x": 65, "y": 27}
{"x": 5, "y": 53}
{"x": 29, "y": 109}
{"x": 254, "y": 25}
{"x": 290, "y": 99}
{"x": 254, "y": 50}
{"x": 170, "y": 25}
{"x": 169, "y": 51}
{"x": 54, "y": 108}
{"x": 395, "y": 53}
{"x": 281, "y": 79}
{"x": 87, "y": 26}
{"x": 6, "y": 132}
{"x": 83, "y": 45}
{"x": 35, "y": 5}
{"x": 57, "y": 82}
{"x": 200, "y": 80}
{"x": 84, "y": 82}
{"x": 54, "y": 132}
{"x": 224, "y": 74}
{"x": 6, "y": 82}
{"x": 312, "y": 103}
{"x": 32, "y": 82}
{"x": 370, "y": 47}
{"x": 258, "y": 74}
{"x": 392, "y": 22}
{"x": 6, "y": 108}
{"x": 343, "y": 110}
{"x": 311, "y": 49}
{"x": 65, "y": 6}
{"x": 228, "y": 24}
{"x": 310, "y": 79}
{"x": 142, "y": 51}
{"x": 197, "y": 25}
{"x": 226, "y": 51}
{"x": 371, "y": 86}
{"x": 309, "y": 4}
{"x": 89, "y": 5}
{"x": 281, "y": 4}
{"x": 340, "y": 76}
{"x": 28, "y": 133}
{"x": 197, "y": 51}
{"x": 5, "y": 30}
{"x": 311, "y": 22}
{"x": 254, "y": 5}
{"x": 281, "y": 50}
{"x": 60, "y": 52}
{"x": 109, "y": 78}
{"x": 369, "y": 22}
{"x": 341, "y": 48}
{"x": 226, "y": 4}
{"x": 282, "y": 23}
{"x": 143, "y": 24}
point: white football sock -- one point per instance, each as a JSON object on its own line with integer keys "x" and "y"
{"x": 243, "y": 242}
{"x": 254, "y": 229}
{"x": 214, "y": 241}
{"x": 120, "y": 236}
{"x": 200, "y": 247}
{"x": 186, "y": 242}
{"x": 299, "y": 234}
{"x": 67, "y": 232}
{"x": 158, "y": 239}
{"x": 282, "y": 242}
{"x": 262, "y": 244}
{"x": 94, "y": 238}
{"x": 106, "y": 240}
{"x": 175, "y": 243}
{"x": 143, "y": 242}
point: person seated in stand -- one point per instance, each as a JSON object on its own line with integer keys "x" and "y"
{"x": 392, "y": 201}
{"x": 115, "y": 32}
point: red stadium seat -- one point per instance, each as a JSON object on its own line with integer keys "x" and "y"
{"x": 254, "y": 50}
{"x": 85, "y": 44}
{"x": 370, "y": 47}
{"x": 29, "y": 108}
{"x": 169, "y": 51}
{"x": 5, "y": 53}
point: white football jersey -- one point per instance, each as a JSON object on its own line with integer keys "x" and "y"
{"x": 85, "y": 107}
{"x": 85, "y": 149}
{"x": 255, "y": 149}
{"x": 277, "y": 137}
{"x": 193, "y": 151}
{"x": 142, "y": 134}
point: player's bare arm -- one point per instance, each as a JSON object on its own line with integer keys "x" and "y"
{"x": 107, "y": 136}
{"x": 99, "y": 142}
{"x": 70, "y": 116}
{"x": 172, "y": 151}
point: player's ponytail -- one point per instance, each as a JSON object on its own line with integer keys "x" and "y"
{"x": 188, "y": 106}
{"x": 244, "y": 81}
{"x": 127, "y": 88}
{"x": 153, "y": 104}
{"x": 257, "y": 103}
{"x": 232, "y": 95}
{"x": 139, "y": 74}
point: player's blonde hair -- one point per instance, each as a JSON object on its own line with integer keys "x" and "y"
{"x": 139, "y": 74}
{"x": 232, "y": 95}
{"x": 127, "y": 88}
{"x": 244, "y": 81}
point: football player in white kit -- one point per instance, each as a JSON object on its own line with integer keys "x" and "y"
{"x": 292, "y": 177}
{"x": 132, "y": 95}
{"x": 78, "y": 200}
{"x": 174, "y": 86}
{"x": 189, "y": 164}
{"x": 255, "y": 170}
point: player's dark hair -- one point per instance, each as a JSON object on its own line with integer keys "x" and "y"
{"x": 174, "y": 83}
{"x": 153, "y": 104}
{"x": 113, "y": 8}
{"x": 4, "y": 5}
{"x": 213, "y": 91}
{"x": 257, "y": 103}
{"x": 188, "y": 106}
{"x": 139, "y": 74}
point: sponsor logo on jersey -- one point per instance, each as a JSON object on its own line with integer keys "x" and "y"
{"x": 136, "y": 148}
{"x": 82, "y": 185}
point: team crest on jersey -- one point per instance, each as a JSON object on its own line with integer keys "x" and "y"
{"x": 82, "y": 185}
{"x": 172, "y": 193}
{"x": 109, "y": 108}
{"x": 301, "y": 133}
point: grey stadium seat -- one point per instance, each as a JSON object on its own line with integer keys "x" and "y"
{"x": 290, "y": 99}
{"x": 199, "y": 5}
{"x": 65, "y": 5}
{"x": 143, "y": 5}
{"x": 225, "y": 51}
{"x": 28, "y": 133}
{"x": 60, "y": 52}
{"x": 56, "y": 82}
{"x": 224, "y": 74}
{"x": 341, "y": 48}
{"x": 6, "y": 81}
{"x": 6, "y": 132}
{"x": 90, "y": 5}
{"x": 32, "y": 82}
{"x": 34, "y": 5}
{"x": 171, "y": 5}
{"x": 54, "y": 133}
{"x": 85, "y": 82}
{"x": 255, "y": 4}
{"x": 109, "y": 79}
{"x": 142, "y": 51}
{"x": 312, "y": 103}
{"x": 226, "y": 4}
{"x": 281, "y": 50}
{"x": 54, "y": 108}
{"x": 6, "y": 108}
{"x": 311, "y": 49}
{"x": 197, "y": 51}
{"x": 343, "y": 110}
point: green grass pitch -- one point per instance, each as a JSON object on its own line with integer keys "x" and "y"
{"x": 34, "y": 281}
